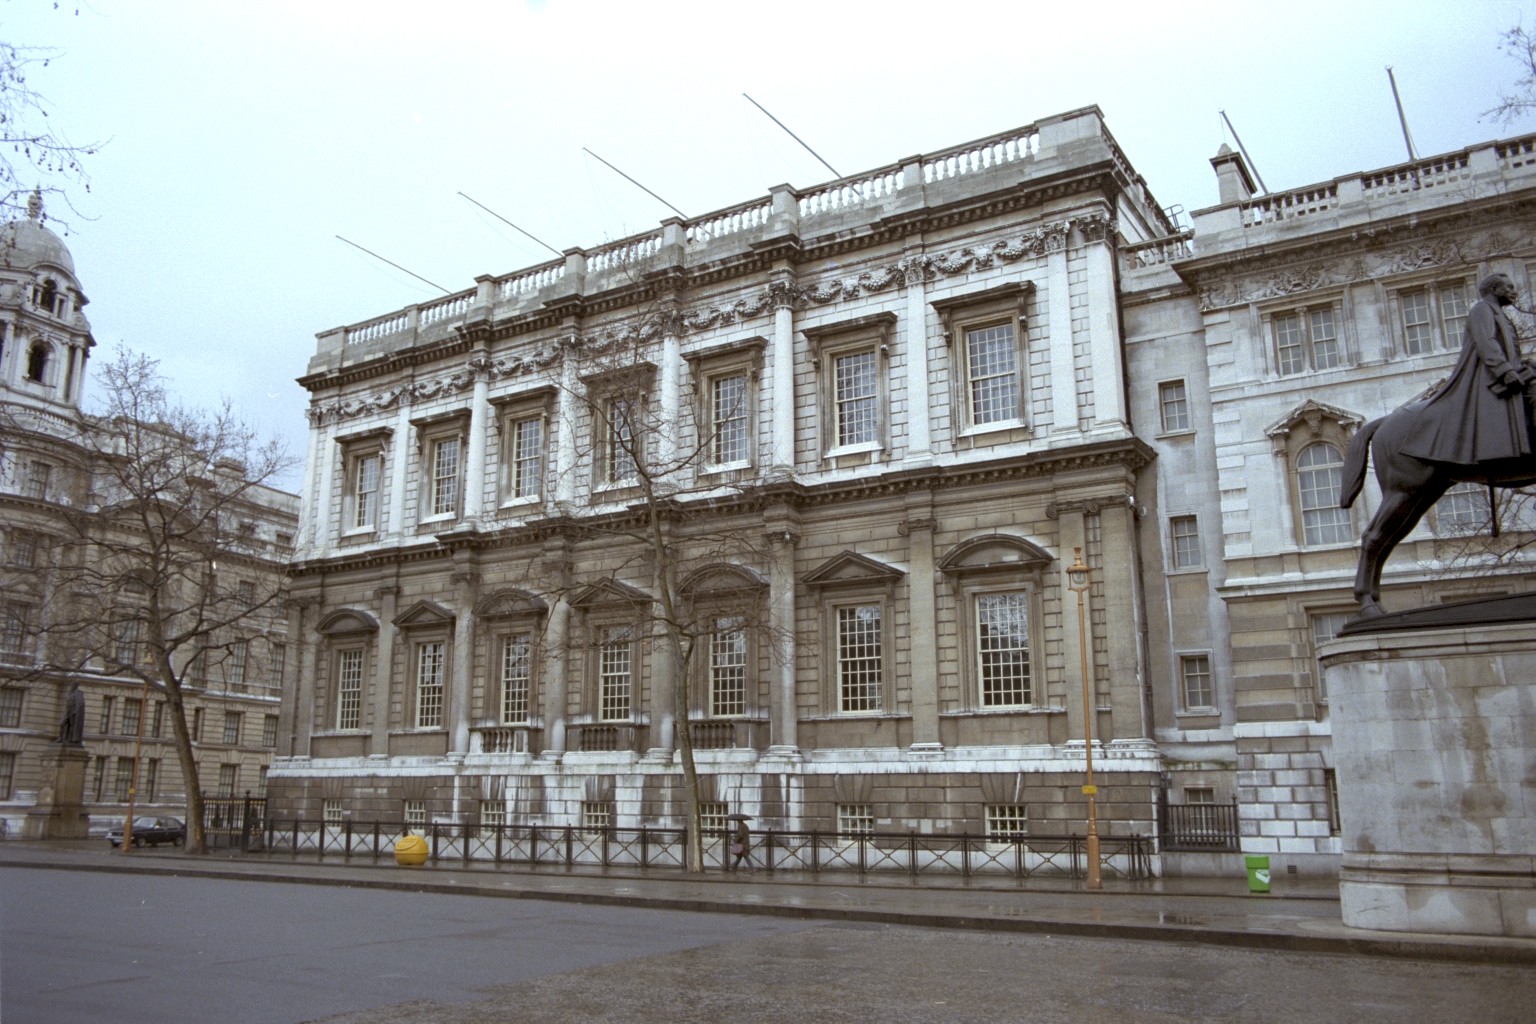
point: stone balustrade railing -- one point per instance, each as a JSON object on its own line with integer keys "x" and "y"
{"x": 1156, "y": 252}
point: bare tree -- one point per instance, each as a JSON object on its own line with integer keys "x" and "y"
{"x": 158, "y": 576}
{"x": 34, "y": 155}
{"x": 1520, "y": 46}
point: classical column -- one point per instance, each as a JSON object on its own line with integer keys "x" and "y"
{"x": 667, "y": 388}
{"x": 1058, "y": 311}
{"x": 557, "y": 655}
{"x": 1098, "y": 232}
{"x": 466, "y": 585}
{"x": 400, "y": 447}
{"x": 922, "y": 654}
{"x": 297, "y": 715}
{"x": 915, "y": 270}
{"x": 781, "y": 376}
{"x": 383, "y": 670}
{"x": 1072, "y": 533}
{"x": 474, "y": 470}
{"x": 782, "y": 535}
{"x": 312, "y": 519}
{"x": 1121, "y": 599}
{"x": 565, "y": 440}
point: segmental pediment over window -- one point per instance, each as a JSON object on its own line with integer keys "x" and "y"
{"x": 347, "y": 622}
{"x": 995, "y": 552}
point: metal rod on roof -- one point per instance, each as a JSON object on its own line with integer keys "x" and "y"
{"x": 397, "y": 266}
{"x": 1402, "y": 119}
{"x": 509, "y": 224}
{"x": 792, "y": 135}
{"x": 633, "y": 182}
{"x": 1244, "y": 150}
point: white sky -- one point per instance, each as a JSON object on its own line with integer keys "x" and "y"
{"x": 244, "y": 136}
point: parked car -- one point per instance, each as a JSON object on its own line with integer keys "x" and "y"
{"x": 153, "y": 831}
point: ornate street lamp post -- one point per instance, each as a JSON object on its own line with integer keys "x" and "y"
{"x": 1077, "y": 581}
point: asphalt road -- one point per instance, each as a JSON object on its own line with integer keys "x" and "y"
{"x": 82, "y": 946}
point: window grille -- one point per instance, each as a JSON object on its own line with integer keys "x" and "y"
{"x": 331, "y": 812}
{"x": 596, "y": 815}
{"x": 712, "y": 816}
{"x": 123, "y": 784}
{"x": 1005, "y": 821}
{"x": 855, "y": 820}
{"x": 493, "y": 813}
{"x": 414, "y": 813}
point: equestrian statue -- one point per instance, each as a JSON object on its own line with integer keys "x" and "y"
{"x": 1477, "y": 428}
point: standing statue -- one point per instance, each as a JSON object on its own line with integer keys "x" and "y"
{"x": 72, "y": 725}
{"x": 1476, "y": 428}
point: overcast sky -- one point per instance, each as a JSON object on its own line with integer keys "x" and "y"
{"x": 245, "y": 136}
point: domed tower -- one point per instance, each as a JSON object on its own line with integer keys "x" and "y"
{"x": 45, "y": 339}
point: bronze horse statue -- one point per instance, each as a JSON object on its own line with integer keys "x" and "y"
{"x": 1409, "y": 486}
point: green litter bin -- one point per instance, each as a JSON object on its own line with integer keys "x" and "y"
{"x": 1258, "y": 874}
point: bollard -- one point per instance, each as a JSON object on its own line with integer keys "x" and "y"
{"x": 411, "y": 851}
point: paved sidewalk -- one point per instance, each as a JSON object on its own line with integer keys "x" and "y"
{"x": 1296, "y": 916}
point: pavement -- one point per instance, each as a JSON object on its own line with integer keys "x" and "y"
{"x": 1296, "y": 916}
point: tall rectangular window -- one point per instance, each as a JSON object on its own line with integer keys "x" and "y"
{"x": 133, "y": 712}
{"x": 1331, "y": 791}
{"x": 445, "y": 476}
{"x": 516, "y": 677}
{"x": 992, "y": 372}
{"x": 365, "y": 491}
{"x": 1195, "y": 678}
{"x": 1325, "y": 339}
{"x": 10, "y": 707}
{"x": 197, "y": 725}
{"x": 157, "y": 720}
{"x": 728, "y": 668}
{"x": 860, "y": 658}
{"x": 349, "y": 689}
{"x": 106, "y": 715}
{"x": 39, "y": 474}
{"x": 124, "y": 782}
{"x": 856, "y": 397}
{"x": 1319, "y": 479}
{"x": 1433, "y": 317}
{"x": 239, "y": 654}
{"x": 429, "y": 684}
{"x": 1173, "y": 403}
{"x": 23, "y": 549}
{"x": 127, "y": 634}
{"x": 526, "y": 465}
{"x": 1325, "y": 626}
{"x": 232, "y": 721}
{"x": 15, "y": 632}
{"x": 1184, "y": 541}
{"x": 269, "y": 731}
{"x": 1002, "y": 649}
{"x": 1306, "y": 339}
{"x": 614, "y": 668}
{"x": 728, "y": 419}
{"x": 229, "y": 779}
{"x": 7, "y": 773}
{"x": 152, "y": 780}
{"x": 622, "y": 447}
{"x": 331, "y": 813}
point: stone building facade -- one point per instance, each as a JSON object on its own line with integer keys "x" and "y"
{"x": 895, "y": 407}
{"x": 1257, "y": 343}
{"x": 48, "y": 473}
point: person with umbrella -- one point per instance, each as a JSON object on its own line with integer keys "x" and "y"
{"x": 741, "y": 841}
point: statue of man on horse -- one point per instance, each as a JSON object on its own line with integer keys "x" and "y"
{"x": 1477, "y": 427}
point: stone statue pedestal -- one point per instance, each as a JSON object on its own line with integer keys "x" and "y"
{"x": 1434, "y": 738}
{"x": 60, "y": 812}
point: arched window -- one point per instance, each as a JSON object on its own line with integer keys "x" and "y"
{"x": 37, "y": 362}
{"x": 1318, "y": 480}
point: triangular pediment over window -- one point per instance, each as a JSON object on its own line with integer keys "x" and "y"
{"x": 1312, "y": 414}
{"x": 510, "y": 603}
{"x": 995, "y": 552}
{"x": 609, "y": 592}
{"x": 424, "y": 615}
{"x": 847, "y": 568}
{"x": 347, "y": 622}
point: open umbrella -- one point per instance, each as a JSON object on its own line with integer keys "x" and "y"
{"x": 738, "y": 816}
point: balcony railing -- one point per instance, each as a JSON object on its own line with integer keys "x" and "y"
{"x": 1203, "y": 828}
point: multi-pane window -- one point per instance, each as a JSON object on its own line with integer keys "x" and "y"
{"x": 1319, "y": 478}
{"x": 157, "y": 720}
{"x": 1306, "y": 339}
{"x": 596, "y": 815}
{"x": 992, "y": 374}
{"x": 445, "y": 476}
{"x": 615, "y": 655}
{"x": 525, "y": 463}
{"x": 275, "y": 665}
{"x": 15, "y": 632}
{"x": 7, "y": 773}
{"x": 239, "y": 655}
{"x": 855, "y": 820}
{"x": 232, "y": 722}
{"x": 1199, "y": 690}
{"x": 23, "y": 549}
{"x": 728, "y": 668}
{"x": 10, "y": 707}
{"x": 152, "y": 780}
{"x": 229, "y": 779}
{"x": 365, "y": 491}
{"x": 860, "y": 657}
{"x": 126, "y": 636}
{"x": 1325, "y": 626}
{"x": 856, "y": 397}
{"x": 1002, "y": 649}
{"x": 430, "y": 665}
{"x": 349, "y": 689}
{"x": 197, "y": 725}
{"x": 133, "y": 715}
{"x": 712, "y": 816}
{"x": 621, "y": 448}
{"x": 1006, "y": 821}
{"x": 1463, "y": 509}
{"x": 1433, "y": 317}
{"x": 98, "y": 777}
{"x": 493, "y": 813}
{"x": 38, "y": 476}
{"x": 1202, "y": 814}
{"x": 414, "y": 813}
{"x": 106, "y": 715}
{"x": 1173, "y": 404}
{"x": 123, "y": 784}
{"x": 331, "y": 813}
{"x": 269, "y": 731}
{"x": 1184, "y": 542}
{"x": 729, "y": 422}
{"x": 1331, "y": 790}
{"x": 516, "y": 677}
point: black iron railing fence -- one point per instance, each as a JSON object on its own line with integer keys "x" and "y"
{"x": 234, "y": 822}
{"x": 566, "y": 846}
{"x": 1198, "y": 828}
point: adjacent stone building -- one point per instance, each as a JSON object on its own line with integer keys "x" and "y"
{"x": 50, "y": 473}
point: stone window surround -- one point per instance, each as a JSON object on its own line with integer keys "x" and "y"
{"x": 1183, "y": 660}
{"x": 1006, "y": 303}
{"x": 603, "y": 387}
{"x": 343, "y": 630}
{"x": 510, "y": 409}
{"x": 355, "y": 448}
{"x": 849, "y": 337}
{"x": 431, "y": 431}
{"x": 1329, "y": 299}
{"x": 1163, "y": 402}
{"x": 996, "y": 563}
{"x": 1309, "y": 424}
{"x": 707, "y": 365}
{"x": 1431, "y": 282}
